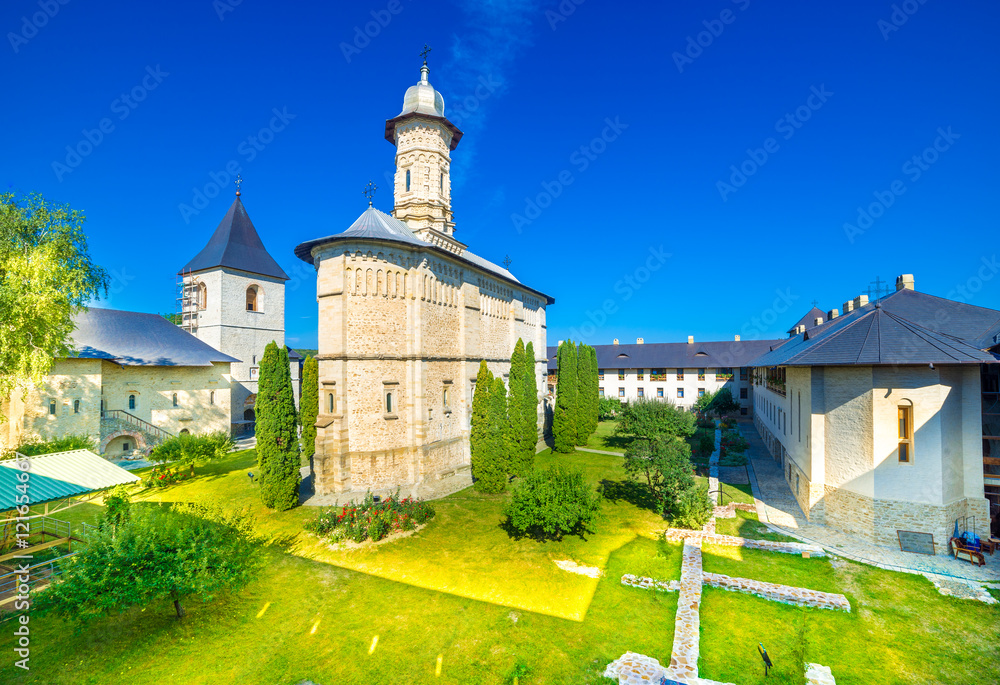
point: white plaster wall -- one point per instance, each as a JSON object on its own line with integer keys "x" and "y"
{"x": 796, "y": 438}
{"x": 690, "y": 384}
{"x": 848, "y": 408}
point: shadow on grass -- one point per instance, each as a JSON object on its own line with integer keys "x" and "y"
{"x": 539, "y": 535}
{"x": 630, "y": 491}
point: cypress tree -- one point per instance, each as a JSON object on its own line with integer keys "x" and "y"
{"x": 564, "y": 417}
{"x": 515, "y": 438}
{"x": 588, "y": 390}
{"x": 481, "y": 442}
{"x": 501, "y": 462}
{"x": 309, "y": 405}
{"x": 277, "y": 438}
{"x": 583, "y": 396}
{"x": 529, "y": 402}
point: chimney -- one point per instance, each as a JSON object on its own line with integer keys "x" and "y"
{"x": 848, "y": 307}
{"x": 832, "y": 314}
{"x": 690, "y": 340}
{"x": 737, "y": 338}
{"x": 818, "y": 321}
{"x": 904, "y": 282}
{"x": 860, "y": 301}
{"x": 615, "y": 342}
{"x": 559, "y": 344}
{"x": 638, "y": 341}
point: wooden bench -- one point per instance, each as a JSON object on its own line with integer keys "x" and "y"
{"x": 960, "y": 551}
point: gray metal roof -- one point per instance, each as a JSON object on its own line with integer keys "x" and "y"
{"x": 135, "y": 339}
{"x": 705, "y": 355}
{"x": 377, "y": 225}
{"x": 235, "y": 244}
{"x": 874, "y": 335}
{"x": 60, "y": 475}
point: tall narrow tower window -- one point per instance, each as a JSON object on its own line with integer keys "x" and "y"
{"x": 442, "y": 182}
{"x": 407, "y": 180}
{"x": 202, "y": 296}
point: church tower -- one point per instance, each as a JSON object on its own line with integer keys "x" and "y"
{"x": 234, "y": 300}
{"x": 424, "y": 139}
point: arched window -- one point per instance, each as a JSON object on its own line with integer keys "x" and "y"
{"x": 131, "y": 401}
{"x": 388, "y": 403}
{"x": 904, "y": 414}
{"x": 202, "y": 296}
{"x": 76, "y": 406}
{"x": 52, "y": 407}
{"x": 253, "y": 301}
{"x": 331, "y": 403}
{"x": 185, "y": 431}
{"x": 211, "y": 397}
{"x": 407, "y": 180}
{"x": 175, "y": 399}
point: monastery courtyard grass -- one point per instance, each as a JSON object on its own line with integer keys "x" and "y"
{"x": 463, "y": 591}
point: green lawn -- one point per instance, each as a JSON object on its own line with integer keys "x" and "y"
{"x": 603, "y": 438}
{"x": 461, "y": 590}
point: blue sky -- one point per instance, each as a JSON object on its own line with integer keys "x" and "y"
{"x": 661, "y": 169}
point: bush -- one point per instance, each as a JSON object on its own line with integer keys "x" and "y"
{"x": 706, "y": 444}
{"x": 691, "y": 509}
{"x": 162, "y": 476}
{"x": 188, "y": 449}
{"x": 552, "y": 503}
{"x": 370, "y": 520}
{"x": 64, "y": 444}
{"x": 608, "y": 408}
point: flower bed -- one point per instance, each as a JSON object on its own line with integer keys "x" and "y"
{"x": 162, "y": 476}
{"x": 370, "y": 520}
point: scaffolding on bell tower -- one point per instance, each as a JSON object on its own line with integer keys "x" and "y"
{"x": 188, "y": 296}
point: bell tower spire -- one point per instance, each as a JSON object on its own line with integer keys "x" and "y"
{"x": 424, "y": 139}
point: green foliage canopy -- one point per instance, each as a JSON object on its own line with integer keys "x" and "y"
{"x": 564, "y": 429}
{"x": 309, "y": 405}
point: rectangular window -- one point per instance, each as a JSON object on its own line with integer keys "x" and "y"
{"x": 600, "y": 392}
{"x": 743, "y": 373}
{"x": 640, "y": 374}
{"x": 701, "y": 374}
{"x": 600, "y": 374}
{"x": 743, "y": 393}
{"x": 680, "y": 374}
{"x": 52, "y": 407}
{"x": 642, "y": 393}
{"x": 701, "y": 392}
{"x": 621, "y": 392}
{"x": 659, "y": 392}
{"x": 76, "y": 406}
{"x": 905, "y": 414}
{"x": 621, "y": 374}
{"x": 444, "y": 398}
{"x": 680, "y": 392}
{"x": 657, "y": 375}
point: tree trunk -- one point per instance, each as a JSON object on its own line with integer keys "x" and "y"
{"x": 178, "y": 608}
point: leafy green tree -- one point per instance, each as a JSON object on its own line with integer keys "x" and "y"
{"x": 117, "y": 507}
{"x": 665, "y": 464}
{"x": 723, "y": 402}
{"x": 530, "y": 407}
{"x": 46, "y": 276}
{"x": 487, "y": 437}
{"x": 650, "y": 420}
{"x": 552, "y": 503}
{"x": 309, "y": 405}
{"x": 277, "y": 439}
{"x": 565, "y": 414}
{"x": 157, "y": 554}
{"x": 703, "y": 404}
{"x": 608, "y": 408}
{"x": 63, "y": 444}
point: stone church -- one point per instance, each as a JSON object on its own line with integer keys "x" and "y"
{"x": 406, "y": 314}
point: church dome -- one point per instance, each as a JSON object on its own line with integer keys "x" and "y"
{"x": 422, "y": 98}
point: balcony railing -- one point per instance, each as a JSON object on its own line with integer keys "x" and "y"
{"x": 776, "y": 387}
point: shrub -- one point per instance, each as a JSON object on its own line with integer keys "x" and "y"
{"x": 691, "y": 509}
{"x": 706, "y": 444}
{"x": 370, "y": 520}
{"x": 162, "y": 476}
{"x": 608, "y": 408}
{"x": 552, "y": 503}
{"x": 117, "y": 504}
{"x": 188, "y": 449}
{"x": 63, "y": 444}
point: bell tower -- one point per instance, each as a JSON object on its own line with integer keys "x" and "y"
{"x": 424, "y": 139}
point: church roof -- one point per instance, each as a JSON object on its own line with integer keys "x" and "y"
{"x": 906, "y": 327}
{"x": 235, "y": 244}
{"x": 809, "y": 320}
{"x": 422, "y": 100}
{"x": 136, "y": 339}
{"x": 378, "y": 226}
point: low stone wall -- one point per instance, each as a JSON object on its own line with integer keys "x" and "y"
{"x": 684, "y": 657}
{"x": 779, "y": 593}
{"x": 730, "y": 541}
{"x": 650, "y": 583}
